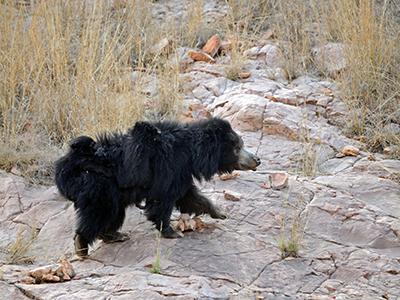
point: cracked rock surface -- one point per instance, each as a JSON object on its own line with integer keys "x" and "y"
{"x": 345, "y": 215}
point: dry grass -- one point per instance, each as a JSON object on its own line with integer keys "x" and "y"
{"x": 291, "y": 232}
{"x": 60, "y": 61}
{"x": 370, "y": 31}
{"x": 371, "y": 83}
{"x": 309, "y": 160}
{"x": 66, "y": 66}
{"x": 29, "y": 155}
{"x": 17, "y": 251}
{"x": 236, "y": 65}
{"x": 65, "y": 70}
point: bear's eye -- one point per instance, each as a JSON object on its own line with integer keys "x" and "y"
{"x": 236, "y": 150}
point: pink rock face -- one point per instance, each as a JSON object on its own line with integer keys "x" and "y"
{"x": 195, "y": 111}
{"x": 245, "y": 112}
{"x": 271, "y": 54}
{"x": 331, "y": 57}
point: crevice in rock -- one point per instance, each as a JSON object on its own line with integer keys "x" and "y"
{"x": 262, "y": 271}
{"x": 262, "y": 130}
{"x": 27, "y": 293}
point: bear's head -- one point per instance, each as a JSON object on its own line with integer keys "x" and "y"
{"x": 233, "y": 156}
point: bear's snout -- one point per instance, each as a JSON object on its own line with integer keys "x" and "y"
{"x": 248, "y": 161}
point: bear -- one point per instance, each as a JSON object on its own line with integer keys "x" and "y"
{"x": 153, "y": 163}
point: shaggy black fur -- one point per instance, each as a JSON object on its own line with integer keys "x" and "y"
{"x": 155, "y": 162}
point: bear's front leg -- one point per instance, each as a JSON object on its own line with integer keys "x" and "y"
{"x": 195, "y": 203}
{"x": 160, "y": 214}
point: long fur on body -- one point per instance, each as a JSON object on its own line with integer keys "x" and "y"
{"x": 156, "y": 162}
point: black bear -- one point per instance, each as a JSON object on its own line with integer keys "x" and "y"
{"x": 153, "y": 162}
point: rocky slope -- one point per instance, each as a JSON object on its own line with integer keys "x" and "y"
{"x": 344, "y": 215}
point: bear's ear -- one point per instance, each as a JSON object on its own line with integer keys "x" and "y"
{"x": 219, "y": 125}
{"x": 144, "y": 130}
{"x": 82, "y": 142}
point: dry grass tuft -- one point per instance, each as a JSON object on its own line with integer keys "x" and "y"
{"x": 371, "y": 82}
{"x": 17, "y": 251}
{"x": 292, "y": 225}
{"x": 289, "y": 243}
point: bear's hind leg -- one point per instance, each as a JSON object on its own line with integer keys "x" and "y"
{"x": 111, "y": 234}
{"x": 195, "y": 202}
{"x": 98, "y": 209}
{"x": 81, "y": 245}
{"x": 85, "y": 233}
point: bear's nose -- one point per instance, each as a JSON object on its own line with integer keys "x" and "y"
{"x": 258, "y": 160}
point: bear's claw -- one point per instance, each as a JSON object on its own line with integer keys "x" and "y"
{"x": 218, "y": 215}
{"x": 81, "y": 246}
{"x": 114, "y": 237}
{"x": 169, "y": 233}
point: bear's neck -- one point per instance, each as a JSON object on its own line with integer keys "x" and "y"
{"x": 205, "y": 155}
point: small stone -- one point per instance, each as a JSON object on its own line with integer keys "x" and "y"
{"x": 273, "y": 56}
{"x": 266, "y": 185}
{"x": 185, "y": 223}
{"x": 40, "y": 271}
{"x": 387, "y": 150}
{"x": 323, "y": 101}
{"x": 50, "y": 278}
{"x": 326, "y": 91}
{"x": 244, "y": 75}
{"x": 200, "y": 56}
{"x": 212, "y": 46}
{"x": 231, "y": 196}
{"x": 228, "y": 176}
{"x": 349, "y": 151}
{"x": 28, "y": 280}
{"x": 225, "y": 46}
{"x": 67, "y": 268}
{"x": 252, "y": 52}
{"x": 270, "y": 33}
{"x": 52, "y": 273}
{"x": 163, "y": 46}
{"x": 16, "y": 171}
{"x": 279, "y": 181}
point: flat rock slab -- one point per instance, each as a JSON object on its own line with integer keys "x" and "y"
{"x": 349, "y": 242}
